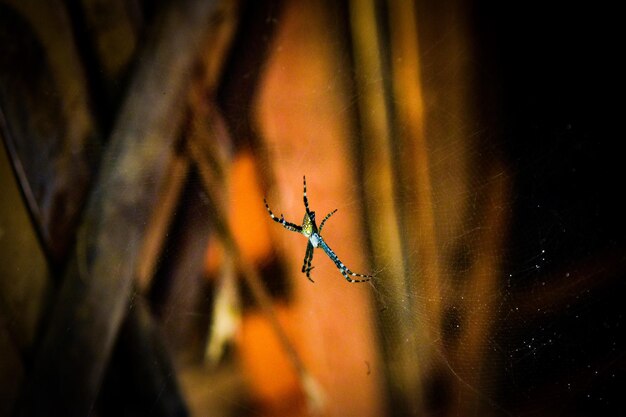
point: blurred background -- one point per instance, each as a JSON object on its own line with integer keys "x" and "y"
{"x": 472, "y": 151}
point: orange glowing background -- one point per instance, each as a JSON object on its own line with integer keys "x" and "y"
{"x": 301, "y": 117}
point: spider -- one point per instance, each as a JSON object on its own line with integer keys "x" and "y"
{"x": 310, "y": 231}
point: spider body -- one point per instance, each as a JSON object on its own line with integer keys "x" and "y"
{"x": 314, "y": 235}
{"x": 309, "y": 228}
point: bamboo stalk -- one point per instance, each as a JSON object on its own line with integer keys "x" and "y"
{"x": 399, "y": 337}
{"x": 95, "y": 291}
{"x": 419, "y": 231}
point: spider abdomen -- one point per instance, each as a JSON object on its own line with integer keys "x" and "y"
{"x": 315, "y": 239}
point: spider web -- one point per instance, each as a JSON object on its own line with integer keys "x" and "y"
{"x": 514, "y": 297}
{"x": 521, "y": 279}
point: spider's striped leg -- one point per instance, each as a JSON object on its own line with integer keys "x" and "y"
{"x": 344, "y": 269}
{"x": 349, "y": 274}
{"x": 282, "y": 221}
{"x": 308, "y": 258}
{"x": 306, "y": 200}
{"x": 326, "y": 218}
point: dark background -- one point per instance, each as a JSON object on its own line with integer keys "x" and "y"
{"x": 558, "y": 87}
